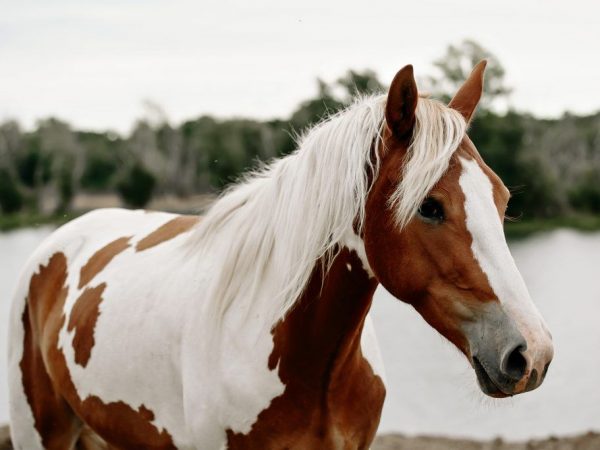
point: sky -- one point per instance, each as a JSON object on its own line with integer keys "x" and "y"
{"x": 96, "y": 63}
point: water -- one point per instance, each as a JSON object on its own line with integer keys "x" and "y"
{"x": 431, "y": 388}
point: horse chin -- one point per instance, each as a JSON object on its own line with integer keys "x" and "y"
{"x": 487, "y": 385}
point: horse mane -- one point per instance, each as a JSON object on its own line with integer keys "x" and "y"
{"x": 266, "y": 233}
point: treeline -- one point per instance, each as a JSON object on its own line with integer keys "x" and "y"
{"x": 43, "y": 169}
{"x": 552, "y": 166}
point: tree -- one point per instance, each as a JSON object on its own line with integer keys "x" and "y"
{"x": 136, "y": 186}
{"x": 352, "y": 84}
{"x": 11, "y": 139}
{"x": 454, "y": 68}
{"x": 313, "y": 110}
{"x": 585, "y": 195}
{"x": 101, "y": 160}
{"x": 360, "y": 83}
{"x": 11, "y": 199}
{"x": 143, "y": 149}
{"x": 59, "y": 145}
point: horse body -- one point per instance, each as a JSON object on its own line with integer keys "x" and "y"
{"x": 132, "y": 372}
{"x": 249, "y": 328}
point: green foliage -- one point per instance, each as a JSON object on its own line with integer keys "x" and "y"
{"x": 500, "y": 140}
{"x": 352, "y": 85}
{"x": 66, "y": 188}
{"x": 585, "y": 195}
{"x": 136, "y": 186}
{"x": 11, "y": 199}
{"x": 101, "y": 161}
{"x": 33, "y": 167}
{"x": 360, "y": 83}
{"x": 456, "y": 64}
{"x": 313, "y": 110}
{"x": 98, "y": 173}
{"x": 524, "y": 228}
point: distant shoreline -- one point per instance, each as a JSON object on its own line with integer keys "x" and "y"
{"x": 197, "y": 203}
{"x": 83, "y": 203}
{"x": 587, "y": 441}
{"x": 528, "y": 227}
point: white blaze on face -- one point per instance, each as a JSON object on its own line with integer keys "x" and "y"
{"x": 491, "y": 252}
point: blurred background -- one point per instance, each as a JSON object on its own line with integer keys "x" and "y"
{"x": 161, "y": 104}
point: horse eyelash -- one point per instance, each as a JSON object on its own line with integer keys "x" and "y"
{"x": 509, "y": 218}
{"x": 516, "y": 189}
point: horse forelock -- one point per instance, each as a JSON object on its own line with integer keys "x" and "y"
{"x": 438, "y": 133}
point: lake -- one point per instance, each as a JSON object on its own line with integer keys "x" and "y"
{"x": 431, "y": 388}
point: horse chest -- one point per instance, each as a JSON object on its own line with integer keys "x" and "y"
{"x": 340, "y": 413}
{"x": 333, "y": 394}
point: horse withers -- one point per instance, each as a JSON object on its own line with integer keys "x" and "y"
{"x": 249, "y": 328}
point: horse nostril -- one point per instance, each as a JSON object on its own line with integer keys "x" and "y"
{"x": 515, "y": 364}
{"x": 545, "y": 370}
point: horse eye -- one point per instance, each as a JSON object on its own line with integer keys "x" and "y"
{"x": 431, "y": 210}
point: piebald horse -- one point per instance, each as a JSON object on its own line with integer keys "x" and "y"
{"x": 249, "y": 328}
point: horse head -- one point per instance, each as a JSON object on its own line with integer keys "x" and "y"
{"x": 434, "y": 238}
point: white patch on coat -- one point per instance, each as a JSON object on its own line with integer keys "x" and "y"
{"x": 370, "y": 348}
{"x": 354, "y": 243}
{"x": 491, "y": 252}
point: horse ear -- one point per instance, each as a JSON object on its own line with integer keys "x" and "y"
{"x": 402, "y": 102}
{"x": 466, "y": 99}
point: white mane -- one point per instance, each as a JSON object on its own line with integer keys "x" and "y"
{"x": 270, "y": 230}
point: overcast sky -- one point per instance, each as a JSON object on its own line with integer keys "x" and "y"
{"x": 93, "y": 63}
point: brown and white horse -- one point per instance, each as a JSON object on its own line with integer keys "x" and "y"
{"x": 249, "y": 328}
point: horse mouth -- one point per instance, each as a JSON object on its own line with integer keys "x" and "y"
{"x": 486, "y": 383}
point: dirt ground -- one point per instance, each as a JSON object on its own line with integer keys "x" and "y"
{"x": 5, "y": 439}
{"x": 589, "y": 441}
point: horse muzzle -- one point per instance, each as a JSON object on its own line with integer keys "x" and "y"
{"x": 506, "y": 361}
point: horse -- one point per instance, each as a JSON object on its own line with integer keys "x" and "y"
{"x": 249, "y": 327}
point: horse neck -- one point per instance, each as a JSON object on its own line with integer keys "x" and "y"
{"x": 321, "y": 334}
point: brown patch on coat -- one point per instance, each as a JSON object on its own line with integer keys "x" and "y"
{"x": 332, "y": 398}
{"x": 53, "y": 418}
{"x": 84, "y": 315}
{"x": 57, "y": 409}
{"x": 167, "y": 231}
{"x": 100, "y": 260}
